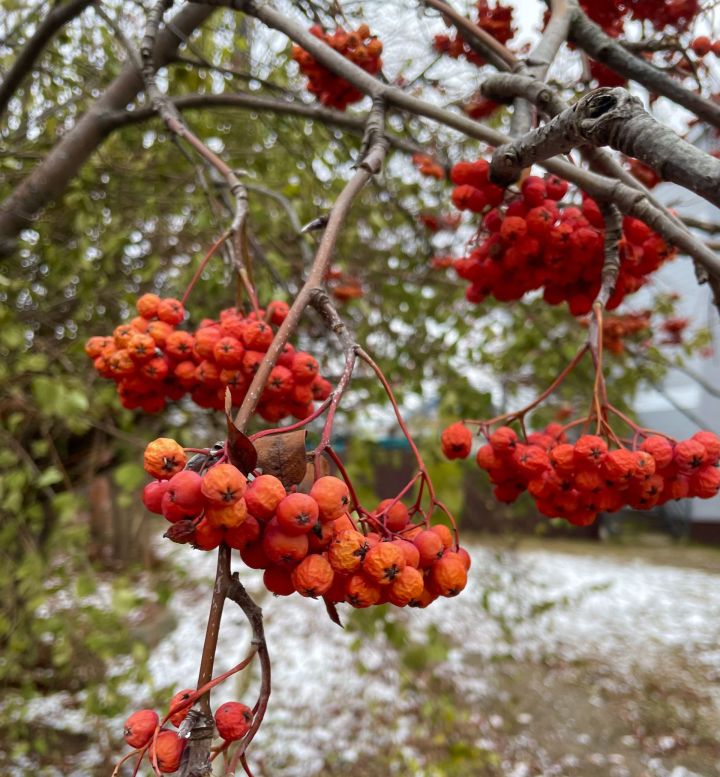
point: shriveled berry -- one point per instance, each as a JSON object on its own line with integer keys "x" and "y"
{"x": 313, "y": 576}
{"x": 263, "y": 495}
{"x": 383, "y": 563}
{"x": 163, "y": 458}
{"x": 223, "y": 484}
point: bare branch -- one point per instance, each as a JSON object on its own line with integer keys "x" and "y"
{"x": 252, "y": 102}
{"x": 60, "y": 15}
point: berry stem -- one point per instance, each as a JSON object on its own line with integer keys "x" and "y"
{"x": 203, "y": 264}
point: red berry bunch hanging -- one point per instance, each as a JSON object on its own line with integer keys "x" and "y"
{"x": 232, "y": 721}
{"x": 610, "y": 14}
{"x": 496, "y": 20}
{"x": 359, "y": 46}
{"x": 306, "y": 543}
{"x": 576, "y": 481}
{"x": 153, "y": 361}
{"x": 532, "y": 242}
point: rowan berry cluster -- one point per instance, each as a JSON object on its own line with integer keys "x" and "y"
{"x": 576, "y": 481}
{"x": 532, "y": 242}
{"x": 306, "y": 542}
{"x": 144, "y": 730}
{"x": 426, "y": 166}
{"x": 495, "y": 20}
{"x": 152, "y": 361}
{"x": 617, "y": 329}
{"x": 359, "y": 46}
{"x": 611, "y": 14}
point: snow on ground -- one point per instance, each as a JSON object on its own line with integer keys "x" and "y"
{"x": 526, "y": 604}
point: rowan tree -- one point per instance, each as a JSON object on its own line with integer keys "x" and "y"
{"x": 229, "y": 205}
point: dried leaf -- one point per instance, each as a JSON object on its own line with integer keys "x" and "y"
{"x": 332, "y": 612}
{"x": 181, "y": 532}
{"x": 241, "y": 451}
{"x": 283, "y": 455}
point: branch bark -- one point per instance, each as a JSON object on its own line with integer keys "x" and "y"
{"x": 593, "y": 41}
{"x": 375, "y": 148}
{"x": 255, "y": 102}
{"x": 59, "y": 16}
{"x": 50, "y": 178}
{"x": 613, "y": 117}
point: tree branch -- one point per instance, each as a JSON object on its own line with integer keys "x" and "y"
{"x": 50, "y": 178}
{"x": 593, "y": 40}
{"x": 370, "y": 164}
{"x": 60, "y": 15}
{"x": 611, "y": 116}
{"x": 252, "y": 102}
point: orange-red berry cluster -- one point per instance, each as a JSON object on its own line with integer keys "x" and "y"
{"x": 232, "y": 721}
{"x": 152, "y": 361}
{"x": 702, "y": 46}
{"x": 610, "y": 14}
{"x": 533, "y": 242}
{"x": 306, "y": 543}
{"x": 576, "y": 481}
{"x": 358, "y": 46}
{"x": 495, "y": 20}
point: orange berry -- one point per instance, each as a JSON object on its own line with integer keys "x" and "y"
{"x": 297, "y": 513}
{"x": 181, "y": 696}
{"x": 430, "y": 547}
{"x": 140, "y": 727}
{"x": 465, "y": 556}
{"x": 448, "y": 575}
{"x": 396, "y": 518}
{"x": 283, "y": 548}
{"x": 406, "y": 587}
{"x": 171, "y": 311}
{"x": 96, "y": 345}
{"x": 141, "y": 347}
{"x": 456, "y": 441}
{"x": 168, "y": 749}
{"x": 159, "y": 331}
{"x": 313, "y": 576}
{"x": 207, "y": 536}
{"x": 223, "y": 484}
{"x": 383, "y": 563}
{"x": 263, "y": 495}
{"x": 163, "y": 458}
{"x": 361, "y": 592}
{"x": 444, "y": 533}
{"x": 228, "y": 516}
{"x": 233, "y": 720}
{"x": 411, "y": 553}
{"x": 332, "y": 496}
{"x": 343, "y": 523}
{"x": 147, "y": 305}
{"x": 278, "y": 581}
{"x": 239, "y": 536}
{"x": 348, "y": 550}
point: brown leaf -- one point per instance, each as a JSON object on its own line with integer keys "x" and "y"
{"x": 181, "y": 532}
{"x": 332, "y": 612}
{"x": 241, "y": 451}
{"x": 283, "y": 455}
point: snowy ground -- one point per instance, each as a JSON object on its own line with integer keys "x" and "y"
{"x": 523, "y": 618}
